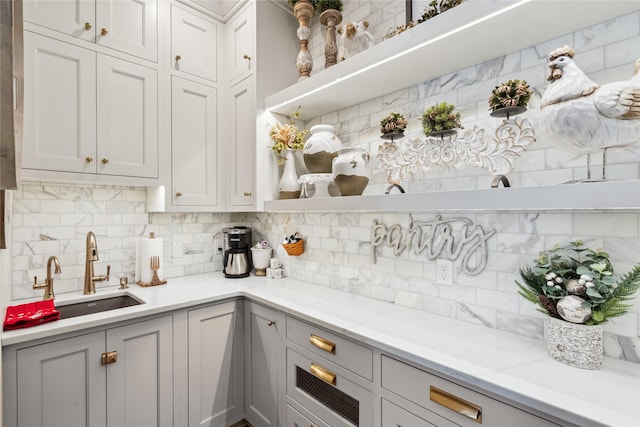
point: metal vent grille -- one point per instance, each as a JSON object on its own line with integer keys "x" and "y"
{"x": 341, "y": 403}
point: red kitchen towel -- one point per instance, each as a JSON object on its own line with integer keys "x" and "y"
{"x": 30, "y": 314}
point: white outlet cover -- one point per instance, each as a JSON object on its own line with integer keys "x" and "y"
{"x": 444, "y": 272}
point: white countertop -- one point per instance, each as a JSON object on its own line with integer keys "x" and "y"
{"x": 508, "y": 365}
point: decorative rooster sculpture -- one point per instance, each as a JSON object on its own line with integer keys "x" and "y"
{"x": 583, "y": 117}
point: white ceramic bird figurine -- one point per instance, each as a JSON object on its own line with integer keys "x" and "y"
{"x": 583, "y": 117}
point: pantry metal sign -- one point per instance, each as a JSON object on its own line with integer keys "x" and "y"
{"x": 450, "y": 238}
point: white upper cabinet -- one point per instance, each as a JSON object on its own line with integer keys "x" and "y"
{"x": 130, "y": 26}
{"x": 127, "y": 109}
{"x": 73, "y": 124}
{"x": 60, "y": 106}
{"x": 194, "y": 42}
{"x": 194, "y": 144}
{"x": 241, "y": 147}
{"x": 241, "y": 45}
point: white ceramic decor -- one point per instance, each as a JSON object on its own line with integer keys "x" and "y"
{"x": 321, "y": 148}
{"x": 289, "y": 187}
{"x": 351, "y": 170}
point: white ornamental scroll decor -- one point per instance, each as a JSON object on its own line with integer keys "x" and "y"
{"x": 472, "y": 149}
{"x": 449, "y": 238}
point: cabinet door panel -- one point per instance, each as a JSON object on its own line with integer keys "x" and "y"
{"x": 62, "y": 383}
{"x": 242, "y": 144}
{"x": 194, "y": 40}
{"x": 128, "y": 119}
{"x": 131, "y": 25}
{"x": 240, "y": 43}
{"x": 395, "y": 416}
{"x": 194, "y": 148}
{"x": 66, "y": 16}
{"x": 215, "y": 364}
{"x": 60, "y": 106}
{"x": 140, "y": 382}
{"x": 264, "y": 331}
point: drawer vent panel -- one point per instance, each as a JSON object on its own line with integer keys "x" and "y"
{"x": 338, "y": 401}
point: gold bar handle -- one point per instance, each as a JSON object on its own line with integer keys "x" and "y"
{"x": 323, "y": 344}
{"x": 322, "y": 373}
{"x": 455, "y": 403}
{"x": 110, "y": 357}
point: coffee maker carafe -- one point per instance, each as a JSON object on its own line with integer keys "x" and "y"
{"x": 237, "y": 253}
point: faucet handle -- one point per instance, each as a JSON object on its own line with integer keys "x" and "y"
{"x": 106, "y": 278}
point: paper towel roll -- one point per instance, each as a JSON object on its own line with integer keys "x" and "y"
{"x": 145, "y": 249}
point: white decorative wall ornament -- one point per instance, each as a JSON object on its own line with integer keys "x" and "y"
{"x": 449, "y": 238}
{"x": 472, "y": 149}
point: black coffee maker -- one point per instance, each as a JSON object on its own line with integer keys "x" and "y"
{"x": 237, "y": 252}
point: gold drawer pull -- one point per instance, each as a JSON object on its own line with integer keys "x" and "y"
{"x": 104, "y": 32}
{"x": 455, "y": 403}
{"x": 323, "y": 344}
{"x": 322, "y": 373}
{"x": 87, "y": 26}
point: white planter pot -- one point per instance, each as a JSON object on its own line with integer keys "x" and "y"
{"x": 574, "y": 344}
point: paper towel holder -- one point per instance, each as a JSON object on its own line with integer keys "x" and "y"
{"x": 154, "y": 263}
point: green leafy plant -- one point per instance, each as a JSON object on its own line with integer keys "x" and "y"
{"x": 579, "y": 272}
{"x": 393, "y": 123}
{"x": 322, "y": 5}
{"x": 436, "y": 7}
{"x": 440, "y": 117}
{"x": 512, "y": 93}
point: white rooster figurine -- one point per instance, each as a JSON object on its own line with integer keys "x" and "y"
{"x": 583, "y": 117}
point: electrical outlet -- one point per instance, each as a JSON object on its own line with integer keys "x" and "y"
{"x": 444, "y": 272}
{"x": 177, "y": 249}
{"x": 218, "y": 246}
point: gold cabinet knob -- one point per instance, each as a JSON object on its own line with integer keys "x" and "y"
{"x": 88, "y": 159}
{"x": 105, "y": 161}
{"x": 247, "y": 57}
{"x": 104, "y": 32}
{"x": 247, "y": 193}
{"x": 270, "y": 323}
{"x": 87, "y": 26}
{"x": 178, "y": 194}
{"x": 178, "y": 58}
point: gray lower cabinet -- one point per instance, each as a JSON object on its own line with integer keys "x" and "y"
{"x": 65, "y": 383}
{"x": 296, "y": 419}
{"x": 264, "y": 365}
{"x": 215, "y": 364}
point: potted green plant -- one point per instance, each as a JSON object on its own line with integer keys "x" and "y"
{"x": 393, "y": 123}
{"x": 510, "y": 97}
{"x": 575, "y": 287}
{"x": 324, "y": 5}
{"x": 441, "y": 119}
{"x": 436, "y": 7}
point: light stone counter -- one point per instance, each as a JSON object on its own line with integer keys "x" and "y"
{"x": 508, "y": 365}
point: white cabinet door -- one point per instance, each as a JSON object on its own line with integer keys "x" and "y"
{"x": 140, "y": 382}
{"x": 130, "y": 26}
{"x": 60, "y": 106}
{"x": 264, "y": 364}
{"x": 194, "y": 44}
{"x": 215, "y": 364}
{"x": 194, "y": 144}
{"x": 74, "y": 17}
{"x": 127, "y": 119}
{"x": 61, "y": 383}
{"x": 240, "y": 43}
{"x": 241, "y": 143}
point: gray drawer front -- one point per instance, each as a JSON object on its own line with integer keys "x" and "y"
{"x": 354, "y": 357}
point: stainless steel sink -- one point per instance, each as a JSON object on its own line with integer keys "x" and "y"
{"x": 97, "y": 305}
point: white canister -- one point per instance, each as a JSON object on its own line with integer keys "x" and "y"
{"x": 261, "y": 258}
{"x": 321, "y": 148}
{"x": 351, "y": 170}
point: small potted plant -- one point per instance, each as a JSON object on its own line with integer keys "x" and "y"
{"x": 436, "y": 7}
{"x": 393, "y": 124}
{"x": 441, "y": 120}
{"x": 575, "y": 287}
{"x": 509, "y": 98}
{"x": 324, "y": 5}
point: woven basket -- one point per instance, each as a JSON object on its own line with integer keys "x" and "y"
{"x": 294, "y": 249}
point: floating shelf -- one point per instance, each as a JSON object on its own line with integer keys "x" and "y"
{"x": 471, "y": 33}
{"x": 592, "y": 196}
